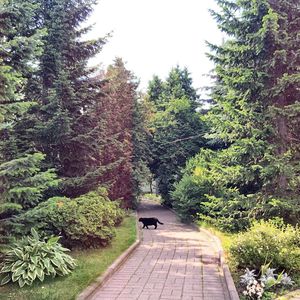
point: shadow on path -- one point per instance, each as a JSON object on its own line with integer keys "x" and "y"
{"x": 175, "y": 261}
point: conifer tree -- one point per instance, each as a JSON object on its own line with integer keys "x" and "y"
{"x": 20, "y": 47}
{"x": 176, "y": 126}
{"x": 65, "y": 127}
{"x": 255, "y": 112}
{"x": 117, "y": 114}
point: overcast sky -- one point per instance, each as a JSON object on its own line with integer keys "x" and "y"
{"x": 152, "y": 36}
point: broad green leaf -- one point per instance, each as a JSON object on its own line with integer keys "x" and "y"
{"x": 21, "y": 282}
{"x": 5, "y": 279}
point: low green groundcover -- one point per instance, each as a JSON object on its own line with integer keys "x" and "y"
{"x": 91, "y": 264}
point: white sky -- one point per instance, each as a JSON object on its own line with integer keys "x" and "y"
{"x": 152, "y": 36}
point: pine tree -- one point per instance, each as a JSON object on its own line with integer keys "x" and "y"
{"x": 23, "y": 179}
{"x": 23, "y": 185}
{"x": 281, "y": 189}
{"x": 23, "y": 182}
{"x": 257, "y": 97}
{"x": 176, "y": 126}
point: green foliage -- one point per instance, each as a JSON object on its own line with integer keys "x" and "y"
{"x": 64, "y": 123}
{"x": 91, "y": 263}
{"x": 268, "y": 242}
{"x": 86, "y": 221}
{"x": 23, "y": 182}
{"x": 23, "y": 185}
{"x": 203, "y": 193}
{"x": 154, "y": 197}
{"x": 20, "y": 47}
{"x": 256, "y": 174}
{"x": 141, "y": 138}
{"x": 31, "y": 258}
{"x": 176, "y": 128}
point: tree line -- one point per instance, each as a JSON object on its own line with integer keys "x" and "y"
{"x": 66, "y": 128}
{"x": 245, "y": 163}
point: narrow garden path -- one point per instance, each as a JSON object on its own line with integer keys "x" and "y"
{"x": 175, "y": 261}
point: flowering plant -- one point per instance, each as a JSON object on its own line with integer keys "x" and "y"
{"x": 260, "y": 286}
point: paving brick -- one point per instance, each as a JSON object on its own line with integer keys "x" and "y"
{"x": 172, "y": 262}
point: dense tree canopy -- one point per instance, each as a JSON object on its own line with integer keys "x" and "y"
{"x": 176, "y": 127}
{"x": 62, "y": 124}
{"x": 68, "y": 129}
{"x": 255, "y": 112}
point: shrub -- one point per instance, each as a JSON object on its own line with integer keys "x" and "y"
{"x": 205, "y": 194}
{"x": 268, "y": 242}
{"x": 86, "y": 221}
{"x": 30, "y": 258}
{"x": 188, "y": 197}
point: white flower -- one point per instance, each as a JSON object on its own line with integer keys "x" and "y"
{"x": 286, "y": 280}
{"x": 270, "y": 273}
{"x": 248, "y": 277}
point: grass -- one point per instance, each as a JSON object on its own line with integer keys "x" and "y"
{"x": 91, "y": 264}
{"x": 225, "y": 237}
{"x": 154, "y": 197}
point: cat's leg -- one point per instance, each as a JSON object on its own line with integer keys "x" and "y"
{"x": 147, "y": 227}
{"x": 144, "y": 225}
{"x": 155, "y": 225}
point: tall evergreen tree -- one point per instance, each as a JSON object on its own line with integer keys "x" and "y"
{"x": 176, "y": 126}
{"x": 20, "y": 47}
{"x": 23, "y": 180}
{"x": 65, "y": 127}
{"x": 117, "y": 113}
{"x": 256, "y": 108}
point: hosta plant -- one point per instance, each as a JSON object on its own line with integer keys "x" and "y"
{"x": 32, "y": 258}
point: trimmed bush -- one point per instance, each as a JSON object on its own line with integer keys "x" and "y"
{"x": 268, "y": 242}
{"x": 30, "y": 259}
{"x": 83, "y": 222}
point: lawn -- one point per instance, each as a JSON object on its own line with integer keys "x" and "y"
{"x": 91, "y": 264}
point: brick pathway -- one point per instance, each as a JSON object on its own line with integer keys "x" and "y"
{"x": 172, "y": 262}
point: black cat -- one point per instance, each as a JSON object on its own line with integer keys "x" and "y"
{"x": 149, "y": 221}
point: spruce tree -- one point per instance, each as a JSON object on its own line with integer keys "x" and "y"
{"x": 65, "y": 127}
{"x": 20, "y": 48}
{"x": 176, "y": 128}
{"x": 254, "y": 115}
{"x": 117, "y": 114}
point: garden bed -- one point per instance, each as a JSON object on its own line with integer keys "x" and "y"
{"x": 227, "y": 240}
{"x": 91, "y": 264}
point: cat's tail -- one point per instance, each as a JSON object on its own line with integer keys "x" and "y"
{"x": 160, "y": 222}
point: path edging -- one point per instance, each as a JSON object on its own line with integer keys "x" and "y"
{"x": 99, "y": 281}
{"x": 227, "y": 275}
